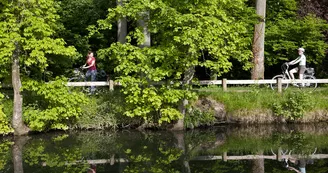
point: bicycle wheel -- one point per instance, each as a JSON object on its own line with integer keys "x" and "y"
{"x": 274, "y": 85}
{"x": 309, "y": 85}
{"x": 77, "y": 88}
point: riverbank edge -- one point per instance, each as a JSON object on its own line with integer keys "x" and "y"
{"x": 254, "y": 116}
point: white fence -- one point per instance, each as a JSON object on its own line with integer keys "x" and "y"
{"x": 223, "y": 82}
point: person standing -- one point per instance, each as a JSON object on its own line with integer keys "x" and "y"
{"x": 92, "y": 69}
{"x": 301, "y": 59}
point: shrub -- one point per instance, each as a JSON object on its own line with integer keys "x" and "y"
{"x": 295, "y": 105}
{"x": 104, "y": 111}
{"x": 195, "y": 118}
{"x": 51, "y": 105}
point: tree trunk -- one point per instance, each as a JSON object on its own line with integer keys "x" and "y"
{"x": 17, "y": 122}
{"x": 179, "y": 125}
{"x": 17, "y": 153}
{"x": 258, "y": 41}
{"x": 143, "y": 23}
{"x": 258, "y": 164}
{"x": 214, "y": 75}
{"x": 121, "y": 26}
{"x": 188, "y": 76}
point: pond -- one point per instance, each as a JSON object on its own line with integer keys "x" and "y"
{"x": 221, "y": 149}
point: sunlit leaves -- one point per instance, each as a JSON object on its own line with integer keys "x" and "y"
{"x": 30, "y": 24}
{"x": 294, "y": 107}
{"x": 192, "y": 27}
{"x": 141, "y": 69}
{"x": 53, "y": 107}
{"x": 182, "y": 32}
{"x": 28, "y": 32}
{"x": 159, "y": 163}
{"x": 5, "y": 127}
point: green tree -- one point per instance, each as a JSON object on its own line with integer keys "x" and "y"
{"x": 5, "y": 127}
{"x": 26, "y": 39}
{"x": 182, "y": 32}
{"x": 51, "y": 105}
{"x": 286, "y": 31}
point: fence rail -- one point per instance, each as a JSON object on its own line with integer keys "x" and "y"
{"x": 223, "y": 82}
{"x": 264, "y": 81}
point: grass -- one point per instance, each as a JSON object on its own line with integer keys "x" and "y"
{"x": 257, "y": 97}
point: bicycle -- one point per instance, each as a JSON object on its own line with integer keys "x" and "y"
{"x": 308, "y": 74}
{"x": 79, "y": 76}
{"x": 287, "y": 157}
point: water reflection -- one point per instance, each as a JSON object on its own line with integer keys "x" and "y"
{"x": 17, "y": 153}
{"x": 237, "y": 149}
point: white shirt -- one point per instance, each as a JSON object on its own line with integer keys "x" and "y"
{"x": 301, "y": 59}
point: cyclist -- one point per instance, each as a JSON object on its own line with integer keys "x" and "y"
{"x": 92, "y": 70}
{"x": 300, "y": 163}
{"x": 301, "y": 59}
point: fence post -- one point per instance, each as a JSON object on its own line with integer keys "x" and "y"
{"x": 111, "y": 85}
{"x": 279, "y": 84}
{"x": 224, "y": 84}
{"x": 279, "y": 156}
{"x": 225, "y": 156}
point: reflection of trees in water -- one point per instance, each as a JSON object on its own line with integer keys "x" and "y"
{"x": 180, "y": 141}
{"x": 4, "y": 155}
{"x": 297, "y": 142}
{"x": 226, "y": 149}
{"x": 268, "y": 130}
{"x": 157, "y": 157}
{"x": 17, "y": 151}
{"x": 57, "y": 153}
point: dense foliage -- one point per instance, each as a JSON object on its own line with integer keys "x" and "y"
{"x": 286, "y": 31}
{"x": 181, "y": 34}
{"x": 5, "y": 127}
{"x": 51, "y": 106}
{"x": 27, "y": 40}
{"x": 190, "y": 40}
{"x": 28, "y": 27}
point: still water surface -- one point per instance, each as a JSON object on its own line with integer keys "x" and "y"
{"x": 224, "y": 149}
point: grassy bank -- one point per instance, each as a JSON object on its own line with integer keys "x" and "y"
{"x": 240, "y": 104}
{"x": 293, "y": 103}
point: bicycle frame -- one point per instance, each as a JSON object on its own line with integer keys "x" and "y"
{"x": 285, "y": 72}
{"x": 78, "y": 73}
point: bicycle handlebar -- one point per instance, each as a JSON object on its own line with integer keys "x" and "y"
{"x": 285, "y": 65}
